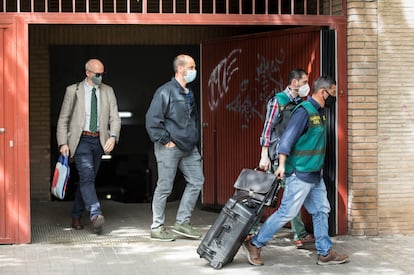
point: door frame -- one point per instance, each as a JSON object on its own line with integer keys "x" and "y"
{"x": 18, "y": 24}
{"x": 16, "y": 137}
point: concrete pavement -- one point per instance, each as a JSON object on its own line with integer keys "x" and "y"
{"x": 125, "y": 248}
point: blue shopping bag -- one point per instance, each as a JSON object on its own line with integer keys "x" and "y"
{"x": 60, "y": 177}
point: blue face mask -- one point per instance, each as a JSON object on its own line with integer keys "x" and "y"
{"x": 97, "y": 80}
{"x": 191, "y": 75}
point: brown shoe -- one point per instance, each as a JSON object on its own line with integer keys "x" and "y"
{"x": 332, "y": 258}
{"x": 97, "y": 223}
{"x": 253, "y": 253}
{"x": 248, "y": 238}
{"x": 76, "y": 224}
{"x": 309, "y": 239}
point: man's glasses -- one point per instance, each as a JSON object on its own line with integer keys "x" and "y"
{"x": 98, "y": 74}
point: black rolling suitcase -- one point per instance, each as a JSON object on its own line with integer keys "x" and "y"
{"x": 254, "y": 190}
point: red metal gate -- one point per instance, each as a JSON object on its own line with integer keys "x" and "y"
{"x": 14, "y": 161}
{"x": 238, "y": 76}
{"x": 7, "y": 185}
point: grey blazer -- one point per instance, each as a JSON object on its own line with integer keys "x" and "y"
{"x": 70, "y": 125}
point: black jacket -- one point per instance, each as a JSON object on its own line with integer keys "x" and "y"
{"x": 173, "y": 116}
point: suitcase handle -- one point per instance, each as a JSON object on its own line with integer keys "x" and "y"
{"x": 217, "y": 238}
{"x": 275, "y": 185}
{"x": 224, "y": 227}
{"x": 230, "y": 213}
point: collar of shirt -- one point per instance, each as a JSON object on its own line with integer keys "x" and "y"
{"x": 315, "y": 104}
{"x": 291, "y": 98}
{"x": 89, "y": 87}
{"x": 88, "y": 93}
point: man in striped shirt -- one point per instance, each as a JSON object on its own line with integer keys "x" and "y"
{"x": 278, "y": 112}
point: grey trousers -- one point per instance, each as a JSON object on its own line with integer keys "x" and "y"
{"x": 168, "y": 161}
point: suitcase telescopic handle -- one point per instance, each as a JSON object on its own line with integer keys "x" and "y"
{"x": 275, "y": 185}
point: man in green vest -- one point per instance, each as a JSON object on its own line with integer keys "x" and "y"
{"x": 279, "y": 108}
{"x": 301, "y": 159}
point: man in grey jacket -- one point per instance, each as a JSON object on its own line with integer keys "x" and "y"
{"x": 88, "y": 126}
{"x": 172, "y": 123}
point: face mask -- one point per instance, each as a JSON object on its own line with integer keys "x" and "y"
{"x": 97, "y": 80}
{"x": 330, "y": 101}
{"x": 304, "y": 90}
{"x": 191, "y": 75}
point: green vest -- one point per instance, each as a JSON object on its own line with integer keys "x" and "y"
{"x": 308, "y": 154}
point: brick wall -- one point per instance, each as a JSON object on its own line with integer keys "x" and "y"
{"x": 381, "y": 116}
{"x": 362, "y": 117}
{"x": 396, "y": 117}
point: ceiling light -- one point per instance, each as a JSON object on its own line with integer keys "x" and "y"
{"x": 125, "y": 114}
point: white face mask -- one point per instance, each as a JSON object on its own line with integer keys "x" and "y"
{"x": 304, "y": 90}
{"x": 191, "y": 75}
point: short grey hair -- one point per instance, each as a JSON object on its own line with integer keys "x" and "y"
{"x": 323, "y": 82}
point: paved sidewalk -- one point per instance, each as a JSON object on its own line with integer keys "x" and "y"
{"x": 125, "y": 248}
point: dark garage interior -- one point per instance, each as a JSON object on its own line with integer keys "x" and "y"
{"x": 134, "y": 72}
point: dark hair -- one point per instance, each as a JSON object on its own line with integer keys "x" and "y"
{"x": 296, "y": 74}
{"x": 323, "y": 82}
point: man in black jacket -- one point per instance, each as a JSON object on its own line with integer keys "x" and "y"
{"x": 172, "y": 123}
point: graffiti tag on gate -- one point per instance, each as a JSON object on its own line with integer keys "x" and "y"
{"x": 220, "y": 78}
{"x": 251, "y": 99}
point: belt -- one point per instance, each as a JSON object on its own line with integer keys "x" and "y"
{"x": 90, "y": 134}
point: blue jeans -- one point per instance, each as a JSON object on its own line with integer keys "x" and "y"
{"x": 87, "y": 160}
{"x": 298, "y": 227}
{"x": 168, "y": 160}
{"x": 298, "y": 193}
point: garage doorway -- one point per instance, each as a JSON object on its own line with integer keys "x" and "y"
{"x": 135, "y": 72}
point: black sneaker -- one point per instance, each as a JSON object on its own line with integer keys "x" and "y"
{"x": 97, "y": 223}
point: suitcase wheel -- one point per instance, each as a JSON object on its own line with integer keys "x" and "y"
{"x": 216, "y": 265}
